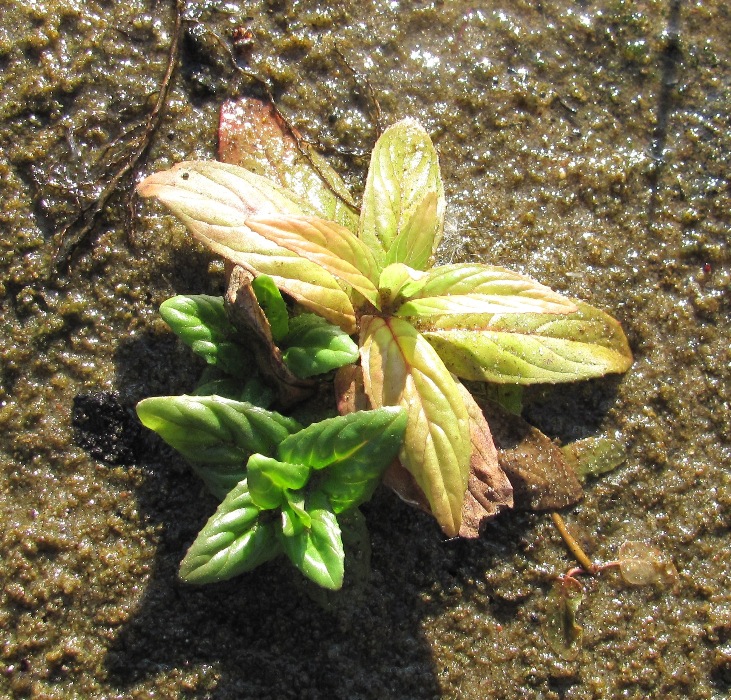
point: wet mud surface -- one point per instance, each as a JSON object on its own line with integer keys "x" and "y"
{"x": 585, "y": 144}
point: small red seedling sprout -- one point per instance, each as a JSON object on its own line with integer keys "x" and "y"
{"x": 639, "y": 564}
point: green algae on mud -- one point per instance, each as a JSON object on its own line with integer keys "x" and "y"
{"x": 546, "y": 122}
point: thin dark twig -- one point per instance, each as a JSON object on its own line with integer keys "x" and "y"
{"x": 671, "y": 59}
{"x": 375, "y": 108}
{"x": 301, "y": 144}
{"x": 76, "y": 231}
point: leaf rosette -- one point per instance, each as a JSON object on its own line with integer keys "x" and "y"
{"x": 420, "y": 328}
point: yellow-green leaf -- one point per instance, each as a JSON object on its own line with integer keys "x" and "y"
{"x": 325, "y": 243}
{"x": 414, "y": 245}
{"x": 214, "y": 200}
{"x": 403, "y": 203}
{"x": 401, "y": 369}
{"x": 479, "y": 289}
{"x": 392, "y": 281}
{"x": 531, "y": 348}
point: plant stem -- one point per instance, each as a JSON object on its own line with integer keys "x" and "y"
{"x": 573, "y": 546}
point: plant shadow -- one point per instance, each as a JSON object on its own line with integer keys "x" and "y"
{"x": 261, "y": 635}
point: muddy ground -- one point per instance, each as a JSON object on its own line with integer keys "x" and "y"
{"x": 586, "y": 144}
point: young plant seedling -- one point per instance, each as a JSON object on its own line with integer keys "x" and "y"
{"x": 282, "y": 487}
{"x": 291, "y": 502}
{"x": 638, "y": 564}
{"x": 420, "y": 329}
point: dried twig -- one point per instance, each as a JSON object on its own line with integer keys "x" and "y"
{"x": 75, "y": 232}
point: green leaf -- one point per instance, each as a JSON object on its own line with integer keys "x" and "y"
{"x": 479, "y": 289}
{"x": 214, "y": 200}
{"x": 401, "y": 369}
{"x": 314, "y": 346}
{"x": 532, "y": 348}
{"x": 317, "y": 550}
{"x": 228, "y": 387}
{"x": 216, "y": 435}
{"x": 594, "y": 456}
{"x": 296, "y": 502}
{"x": 269, "y": 478}
{"x": 271, "y": 301}
{"x": 258, "y": 392}
{"x": 294, "y": 520}
{"x": 233, "y": 541}
{"x": 252, "y": 135}
{"x": 393, "y": 280}
{"x": 353, "y": 450}
{"x": 325, "y": 243}
{"x": 403, "y": 203}
{"x": 414, "y": 245}
{"x": 201, "y": 322}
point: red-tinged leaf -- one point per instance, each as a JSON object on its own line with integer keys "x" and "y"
{"x": 401, "y": 369}
{"x": 214, "y": 201}
{"x": 325, "y": 243}
{"x": 252, "y": 135}
{"x": 479, "y": 289}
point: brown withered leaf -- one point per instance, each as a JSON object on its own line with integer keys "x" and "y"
{"x": 349, "y": 391}
{"x": 535, "y": 465}
{"x": 488, "y": 489}
{"x": 254, "y": 332}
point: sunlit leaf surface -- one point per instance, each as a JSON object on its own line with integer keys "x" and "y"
{"x": 531, "y": 348}
{"x": 325, "y": 243}
{"x": 401, "y": 369}
{"x": 231, "y": 542}
{"x": 317, "y": 551}
{"x": 403, "y": 202}
{"x": 354, "y": 450}
{"x": 214, "y": 200}
{"x": 479, "y": 289}
{"x": 314, "y": 346}
{"x": 268, "y": 478}
{"x": 216, "y": 435}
